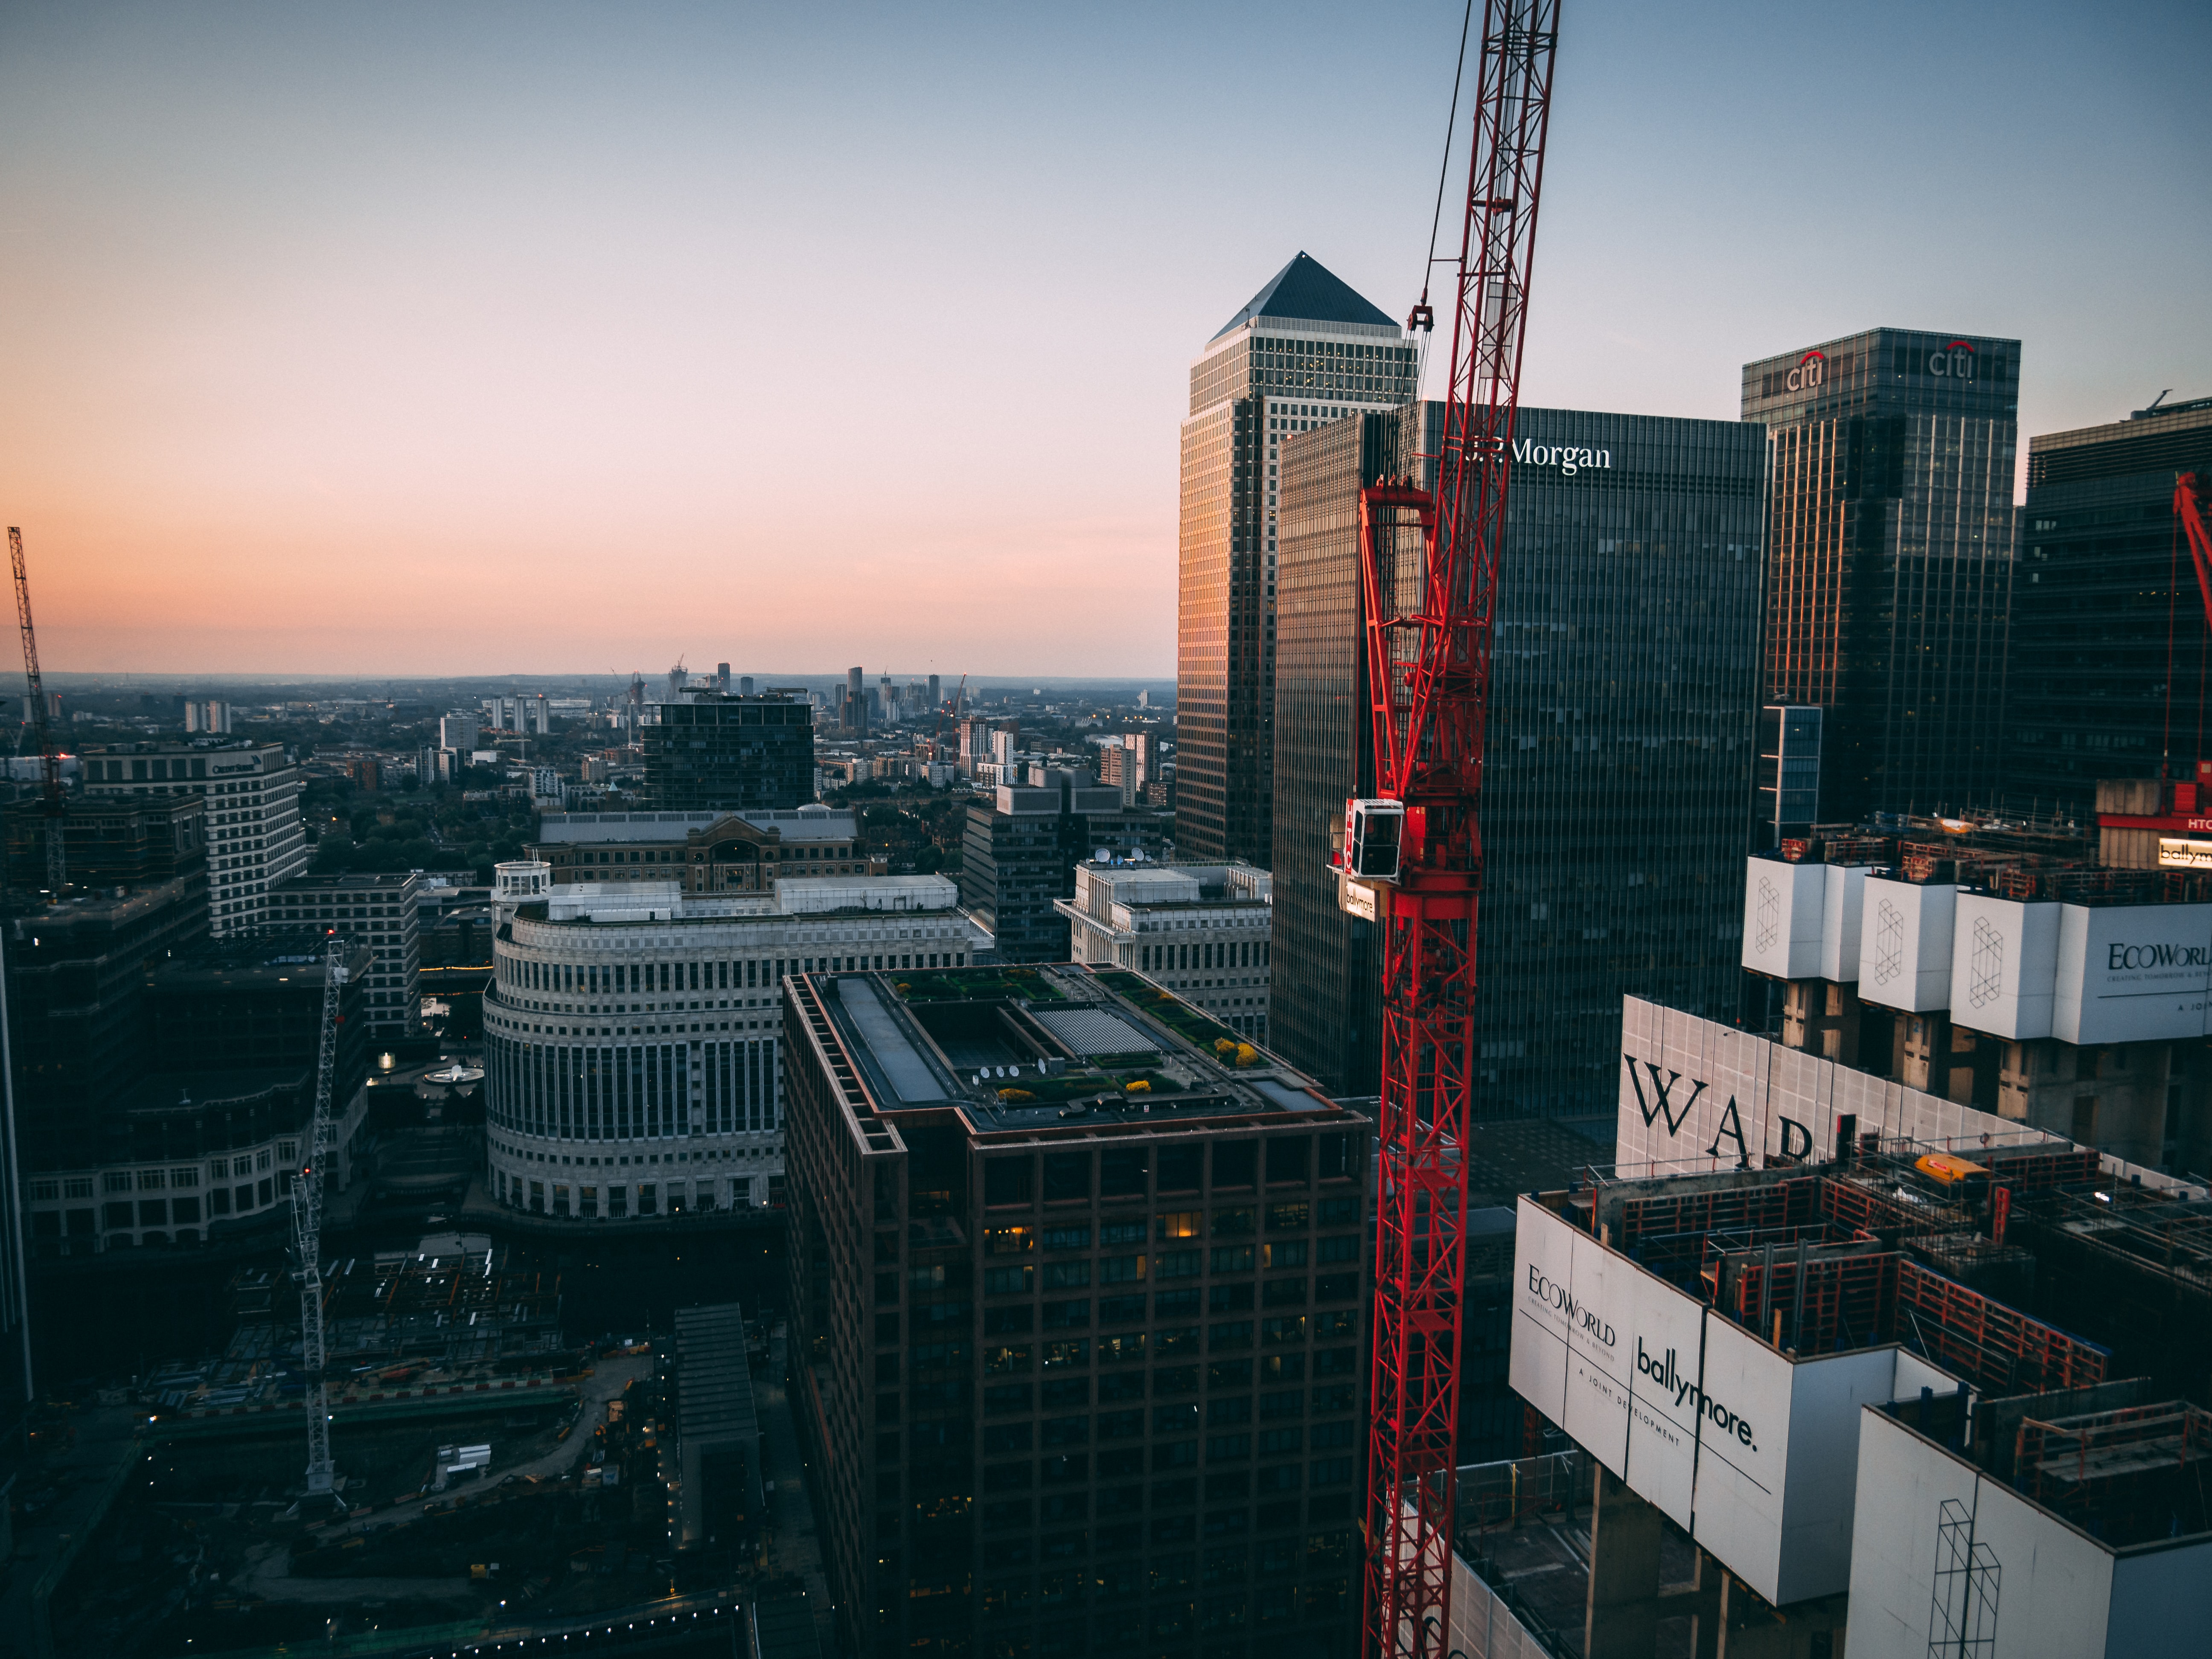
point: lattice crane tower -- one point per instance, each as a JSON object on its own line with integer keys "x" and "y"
{"x": 308, "y": 1243}
{"x": 1414, "y": 852}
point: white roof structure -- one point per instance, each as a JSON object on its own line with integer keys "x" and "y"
{"x": 804, "y": 823}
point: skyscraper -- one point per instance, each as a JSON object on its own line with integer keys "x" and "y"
{"x": 856, "y": 700}
{"x": 1304, "y": 351}
{"x": 1889, "y": 559}
{"x": 1617, "y": 768}
{"x": 2101, "y": 602}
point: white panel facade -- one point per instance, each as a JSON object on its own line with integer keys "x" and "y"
{"x": 1842, "y": 902}
{"x": 1697, "y": 1095}
{"x": 2132, "y": 973}
{"x": 1693, "y": 1411}
{"x": 1904, "y": 944}
{"x": 1783, "y": 907}
{"x": 2004, "y": 966}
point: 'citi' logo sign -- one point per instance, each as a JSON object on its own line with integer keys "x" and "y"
{"x": 1811, "y": 368}
{"x": 1955, "y": 361}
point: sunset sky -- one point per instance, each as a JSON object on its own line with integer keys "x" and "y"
{"x": 472, "y": 338}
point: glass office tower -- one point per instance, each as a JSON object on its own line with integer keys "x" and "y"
{"x": 1305, "y": 351}
{"x": 2106, "y": 613}
{"x": 1617, "y": 787}
{"x": 1889, "y": 554}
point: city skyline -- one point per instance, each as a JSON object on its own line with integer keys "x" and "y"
{"x": 541, "y": 328}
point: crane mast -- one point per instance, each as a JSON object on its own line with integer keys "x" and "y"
{"x": 308, "y": 1243}
{"x": 50, "y": 759}
{"x": 1429, "y": 605}
{"x": 2187, "y": 509}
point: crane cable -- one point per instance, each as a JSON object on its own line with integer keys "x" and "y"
{"x": 1436, "y": 219}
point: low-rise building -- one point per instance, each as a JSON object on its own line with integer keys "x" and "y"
{"x": 382, "y": 912}
{"x": 1019, "y": 850}
{"x": 1202, "y": 930}
{"x": 705, "y": 851}
{"x": 634, "y": 1051}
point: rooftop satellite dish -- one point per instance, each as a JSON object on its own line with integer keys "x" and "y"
{"x": 1102, "y": 856}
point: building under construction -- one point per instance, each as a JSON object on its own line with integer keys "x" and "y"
{"x": 1832, "y": 1401}
{"x": 452, "y": 1312}
{"x": 2017, "y": 969}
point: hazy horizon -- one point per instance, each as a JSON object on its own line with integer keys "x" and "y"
{"x": 413, "y": 334}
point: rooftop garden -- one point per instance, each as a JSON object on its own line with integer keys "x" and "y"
{"x": 976, "y": 984}
{"x": 1201, "y": 1030}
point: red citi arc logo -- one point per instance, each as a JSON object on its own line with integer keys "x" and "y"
{"x": 1811, "y": 368}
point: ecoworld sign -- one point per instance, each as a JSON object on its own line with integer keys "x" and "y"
{"x": 1752, "y": 1453}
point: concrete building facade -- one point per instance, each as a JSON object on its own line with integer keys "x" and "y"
{"x": 254, "y": 837}
{"x": 705, "y": 851}
{"x": 1201, "y": 930}
{"x": 382, "y": 911}
{"x": 633, "y": 1053}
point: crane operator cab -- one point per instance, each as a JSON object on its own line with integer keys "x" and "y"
{"x": 1374, "y": 833}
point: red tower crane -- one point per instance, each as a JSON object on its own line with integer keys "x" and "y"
{"x": 50, "y": 759}
{"x": 1416, "y": 849}
{"x": 2192, "y": 514}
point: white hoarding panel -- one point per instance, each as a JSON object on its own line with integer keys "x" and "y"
{"x": 1663, "y": 1408}
{"x": 2052, "y": 1585}
{"x": 2004, "y": 965}
{"x": 1781, "y": 915}
{"x": 1543, "y": 1280}
{"x": 1906, "y": 1501}
{"x": 1694, "y": 1412}
{"x": 2159, "y": 1595}
{"x": 1743, "y": 1446}
{"x": 1825, "y": 1397}
{"x": 1604, "y": 1293}
{"x": 1904, "y": 944}
{"x": 1842, "y": 895}
{"x": 2132, "y": 973}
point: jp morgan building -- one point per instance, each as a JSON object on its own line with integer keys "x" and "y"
{"x": 1618, "y": 755}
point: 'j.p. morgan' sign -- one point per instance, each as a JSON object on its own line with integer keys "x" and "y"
{"x": 1567, "y": 458}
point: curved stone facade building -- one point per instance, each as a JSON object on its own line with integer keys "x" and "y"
{"x": 632, "y": 1030}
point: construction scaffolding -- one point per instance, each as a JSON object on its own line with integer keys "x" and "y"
{"x": 2124, "y": 1476}
{"x": 1876, "y": 1249}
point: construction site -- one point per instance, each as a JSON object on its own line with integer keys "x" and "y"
{"x": 1825, "y": 1397}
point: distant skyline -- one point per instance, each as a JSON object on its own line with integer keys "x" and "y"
{"x": 417, "y": 340}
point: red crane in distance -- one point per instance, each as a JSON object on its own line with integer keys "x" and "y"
{"x": 50, "y": 758}
{"x": 1429, "y": 605}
